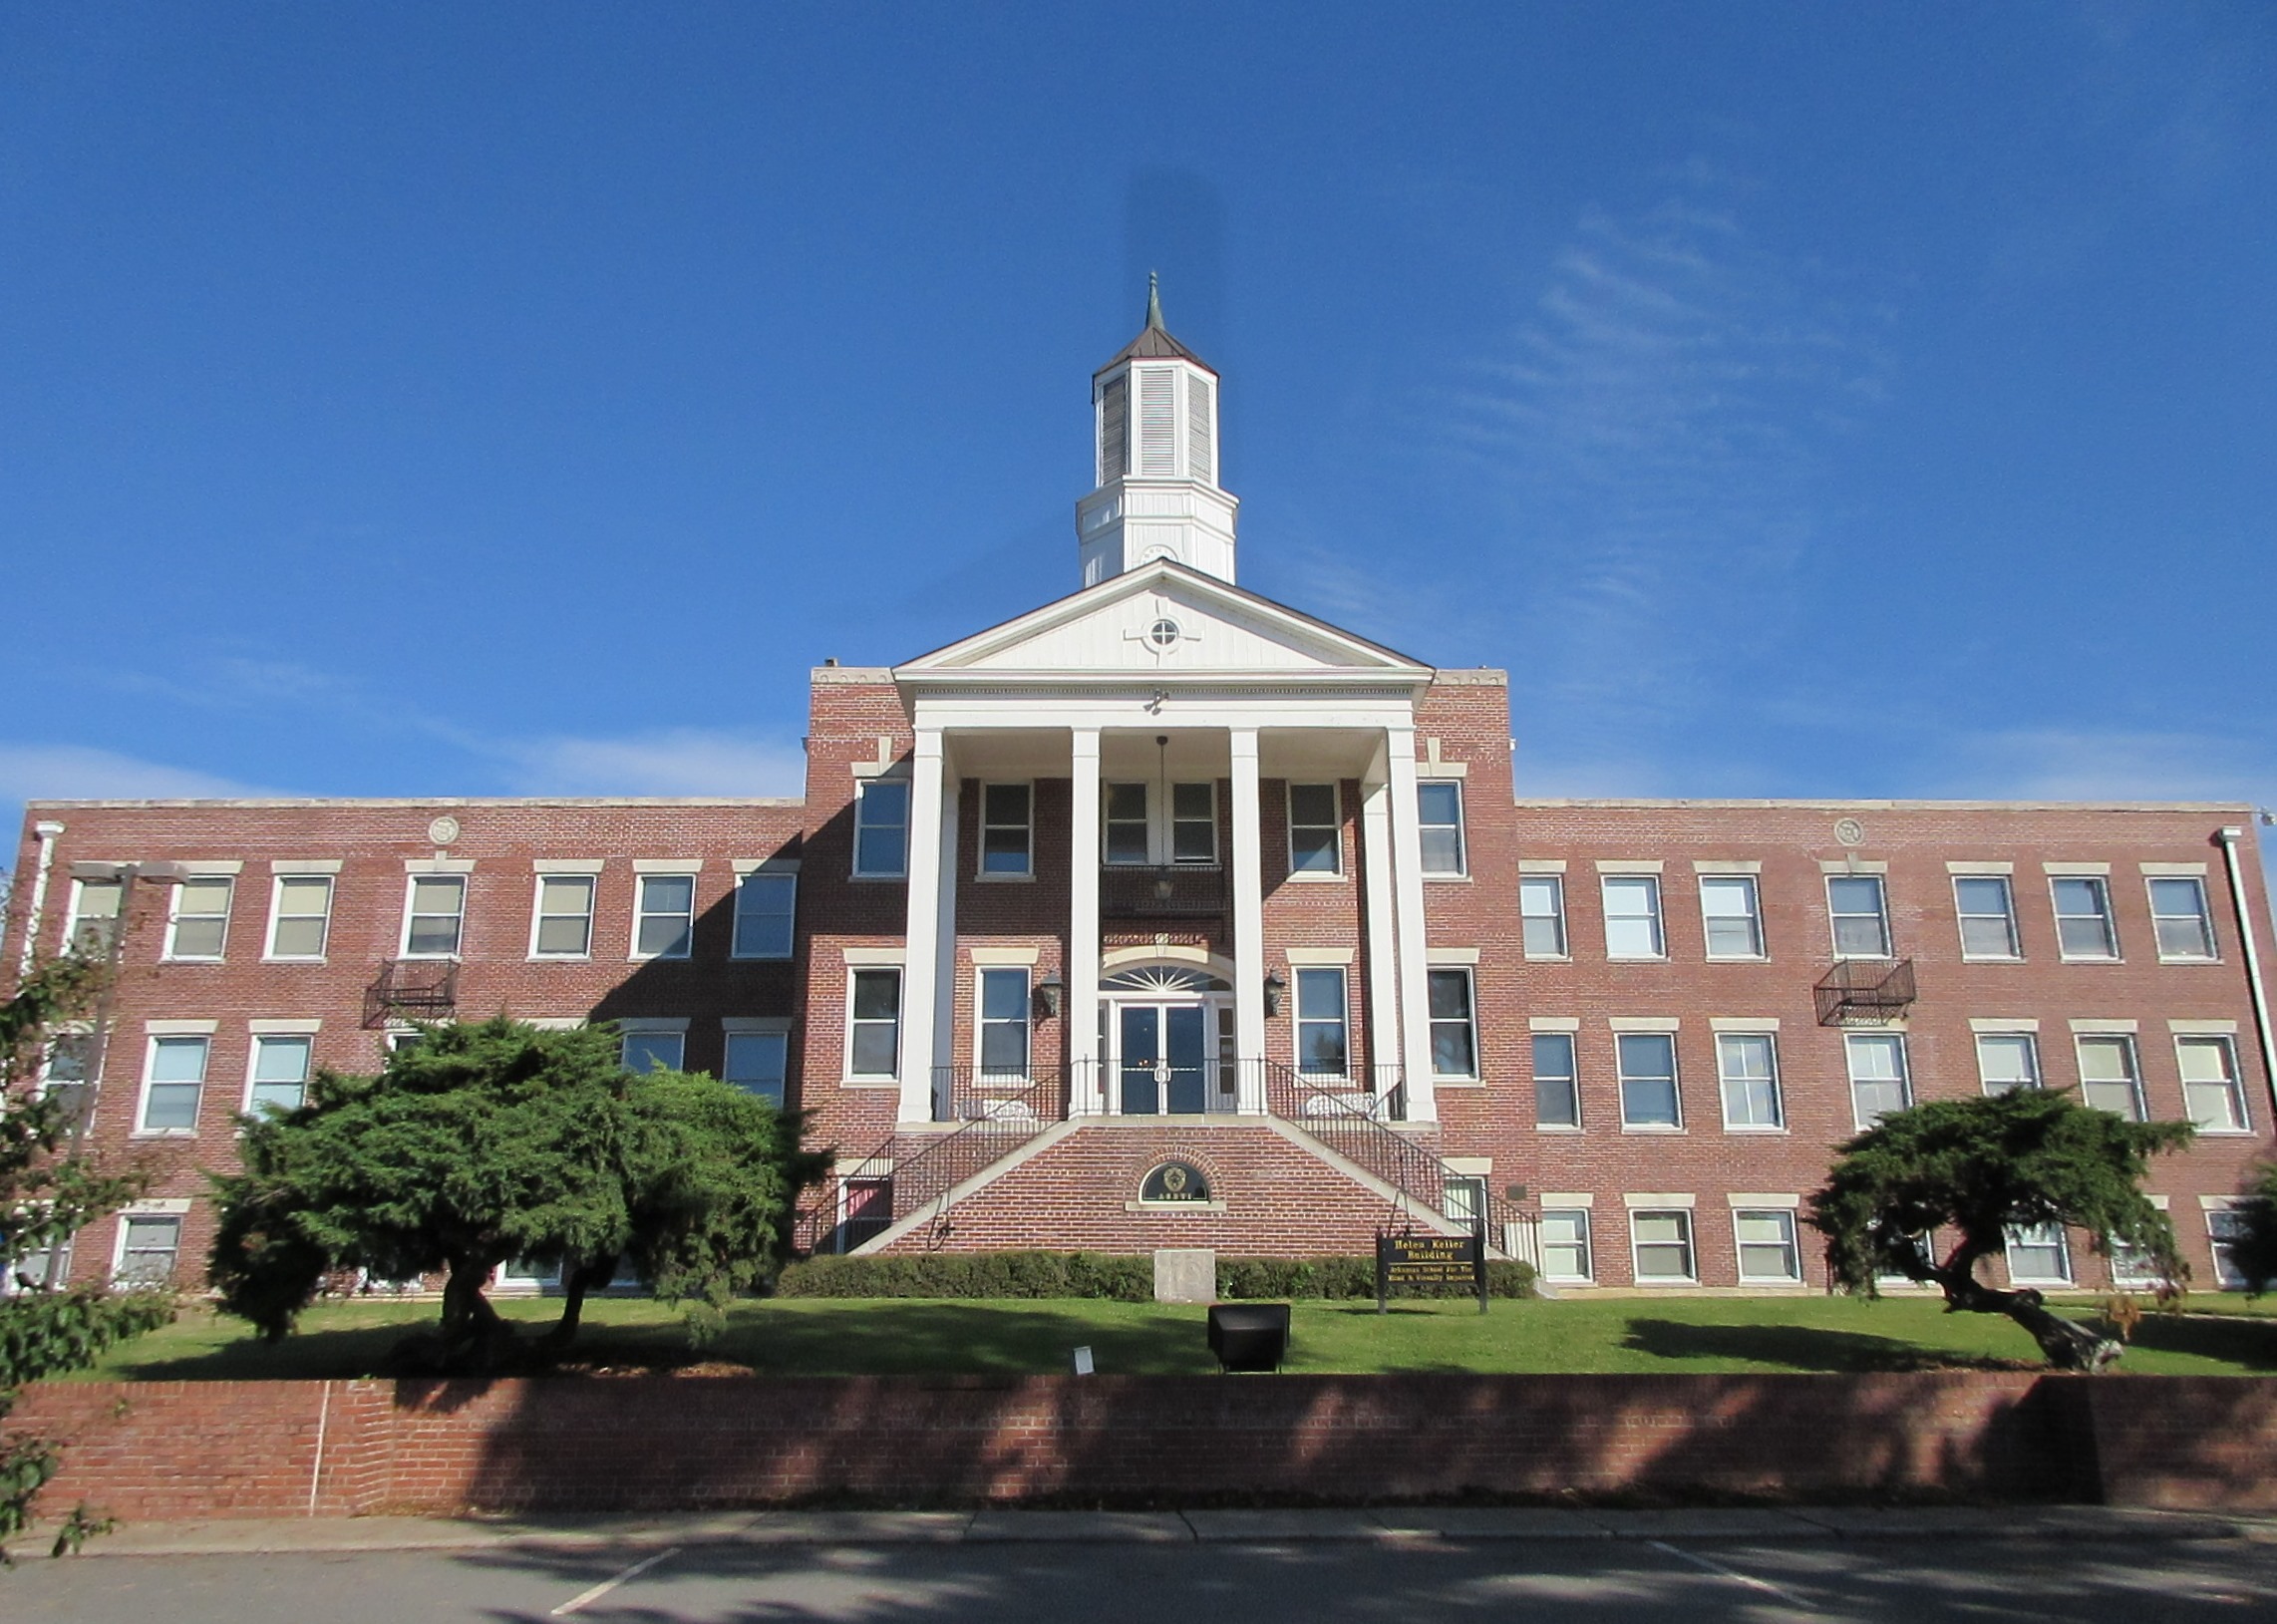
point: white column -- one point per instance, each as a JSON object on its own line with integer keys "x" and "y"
{"x": 1085, "y": 1085}
{"x": 1408, "y": 902}
{"x": 921, "y": 934}
{"x": 1248, "y": 922}
{"x": 1383, "y": 937}
{"x": 945, "y": 945}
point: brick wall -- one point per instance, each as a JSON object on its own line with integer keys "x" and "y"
{"x": 159, "y": 1450}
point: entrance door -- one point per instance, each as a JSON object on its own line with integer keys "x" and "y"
{"x": 1165, "y": 1064}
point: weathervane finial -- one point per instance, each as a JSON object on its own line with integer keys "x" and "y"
{"x": 1155, "y": 300}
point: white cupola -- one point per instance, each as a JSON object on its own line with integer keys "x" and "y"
{"x": 1154, "y": 421}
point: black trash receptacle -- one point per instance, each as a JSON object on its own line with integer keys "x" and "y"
{"x": 1249, "y": 1336}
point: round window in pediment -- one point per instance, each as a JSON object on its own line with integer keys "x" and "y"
{"x": 1175, "y": 1182}
{"x": 1164, "y": 633}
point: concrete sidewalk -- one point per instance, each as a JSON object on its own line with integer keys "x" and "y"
{"x": 1387, "y": 1524}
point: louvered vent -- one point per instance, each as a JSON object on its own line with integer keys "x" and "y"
{"x": 1157, "y": 422}
{"x": 1114, "y": 429}
{"x": 1201, "y": 464}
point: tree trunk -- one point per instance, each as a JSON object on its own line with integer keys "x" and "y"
{"x": 2067, "y": 1344}
{"x": 577, "y": 1279}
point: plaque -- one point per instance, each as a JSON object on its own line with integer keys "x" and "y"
{"x": 1175, "y": 1182}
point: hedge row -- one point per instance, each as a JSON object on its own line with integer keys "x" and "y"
{"x": 1101, "y": 1274}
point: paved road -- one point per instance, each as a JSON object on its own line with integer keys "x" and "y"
{"x": 1201, "y": 1568}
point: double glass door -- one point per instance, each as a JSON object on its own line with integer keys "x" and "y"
{"x": 1162, "y": 1058}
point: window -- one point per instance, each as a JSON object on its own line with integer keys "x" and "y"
{"x": 1439, "y": 813}
{"x": 1004, "y": 1022}
{"x": 2008, "y": 1060}
{"x": 2084, "y": 928}
{"x": 1730, "y": 917}
{"x": 2132, "y": 1266}
{"x": 300, "y": 917}
{"x": 1765, "y": 1239}
{"x": 1632, "y": 917}
{"x": 1649, "y": 1095}
{"x": 1662, "y": 1244}
{"x": 433, "y": 915}
{"x": 1194, "y": 822}
{"x": 1878, "y": 1079}
{"x": 664, "y": 925}
{"x": 279, "y": 1078}
{"x": 69, "y": 1065}
{"x": 1557, "y": 1089}
{"x": 757, "y": 1063}
{"x": 653, "y": 1048}
{"x": 565, "y": 924}
{"x": 1126, "y": 813}
{"x": 1007, "y": 830}
{"x": 1454, "y": 1034}
{"x": 1541, "y": 916}
{"x": 93, "y": 916}
{"x": 1321, "y": 1035}
{"x": 1748, "y": 1064}
{"x": 1987, "y": 910}
{"x": 881, "y": 829}
{"x": 174, "y": 1085}
{"x": 766, "y": 911}
{"x": 1462, "y": 1198}
{"x": 2178, "y": 918}
{"x": 1860, "y": 919}
{"x": 2036, "y": 1255}
{"x": 199, "y": 927}
{"x": 874, "y": 1033}
{"x": 148, "y": 1244}
{"x": 1316, "y": 830}
{"x": 42, "y": 1268}
{"x": 2210, "y": 1093}
{"x": 2109, "y": 1077}
{"x": 1564, "y": 1243}
{"x": 2225, "y": 1230}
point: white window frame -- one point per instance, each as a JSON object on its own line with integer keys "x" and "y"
{"x": 1172, "y": 821}
{"x": 642, "y": 913}
{"x": 1333, "y": 828}
{"x": 648, "y": 1030}
{"x": 2220, "y": 1212}
{"x": 261, "y": 1041}
{"x": 1584, "y": 1240}
{"x": 1623, "y": 1077}
{"x": 854, "y": 975}
{"x": 538, "y": 915}
{"x": 277, "y": 918}
{"x": 2100, "y": 884}
{"x": 2038, "y": 1237}
{"x": 1653, "y": 917}
{"x": 1740, "y": 1245}
{"x": 1962, "y": 916}
{"x": 862, "y": 791}
{"x": 1150, "y": 844}
{"x": 176, "y": 917}
{"x": 1724, "y": 1080}
{"x": 1881, "y": 916}
{"x": 410, "y": 885}
{"x": 1853, "y": 1041}
{"x": 1571, "y": 1078}
{"x": 775, "y": 1033}
{"x": 1299, "y": 1021}
{"x": 2122, "y": 1043}
{"x": 1754, "y": 916}
{"x": 2227, "y": 1046}
{"x": 771, "y": 876}
{"x": 130, "y": 1216}
{"x": 1690, "y": 1242}
{"x": 2030, "y": 1042}
{"x": 1026, "y": 826}
{"x": 2210, "y": 949}
{"x": 152, "y": 1044}
{"x": 1468, "y": 1020}
{"x": 76, "y": 920}
{"x": 1553, "y": 885}
{"x": 982, "y": 1021}
{"x": 1461, "y": 826}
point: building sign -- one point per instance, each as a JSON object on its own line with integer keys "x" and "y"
{"x": 1175, "y": 1182}
{"x": 1430, "y": 1260}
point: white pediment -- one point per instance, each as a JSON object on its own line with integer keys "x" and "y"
{"x": 1166, "y": 620}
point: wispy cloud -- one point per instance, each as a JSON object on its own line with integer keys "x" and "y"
{"x": 82, "y": 773}
{"x": 673, "y": 761}
{"x": 2072, "y": 764}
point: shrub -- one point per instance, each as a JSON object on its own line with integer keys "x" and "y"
{"x": 1103, "y": 1275}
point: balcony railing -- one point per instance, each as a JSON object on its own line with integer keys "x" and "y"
{"x": 1179, "y": 891}
{"x": 412, "y": 990}
{"x": 1865, "y": 992}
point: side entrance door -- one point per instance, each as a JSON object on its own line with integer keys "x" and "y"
{"x": 1164, "y": 1061}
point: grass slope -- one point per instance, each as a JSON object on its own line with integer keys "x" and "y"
{"x": 825, "y": 1337}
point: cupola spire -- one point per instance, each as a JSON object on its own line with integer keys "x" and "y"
{"x": 1154, "y": 418}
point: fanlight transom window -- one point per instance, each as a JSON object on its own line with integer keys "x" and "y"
{"x": 1161, "y": 979}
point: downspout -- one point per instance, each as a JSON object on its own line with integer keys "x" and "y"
{"x": 2229, "y": 838}
{"x": 47, "y": 831}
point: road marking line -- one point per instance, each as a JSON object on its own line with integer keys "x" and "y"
{"x": 1733, "y": 1573}
{"x": 577, "y": 1602}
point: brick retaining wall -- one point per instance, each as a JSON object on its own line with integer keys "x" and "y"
{"x": 160, "y": 1450}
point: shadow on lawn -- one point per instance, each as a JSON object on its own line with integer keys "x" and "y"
{"x": 1799, "y": 1348}
{"x": 2235, "y": 1339}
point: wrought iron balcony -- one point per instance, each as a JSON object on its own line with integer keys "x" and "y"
{"x": 1865, "y": 992}
{"x": 412, "y": 990}
{"x": 1179, "y": 891}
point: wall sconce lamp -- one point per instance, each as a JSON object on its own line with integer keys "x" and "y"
{"x": 1051, "y": 994}
{"x": 1276, "y": 990}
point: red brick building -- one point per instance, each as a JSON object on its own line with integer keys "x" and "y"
{"x": 1168, "y": 916}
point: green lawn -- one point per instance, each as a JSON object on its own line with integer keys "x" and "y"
{"x": 814, "y": 1337}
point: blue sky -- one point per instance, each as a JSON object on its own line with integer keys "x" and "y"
{"x": 1800, "y": 400}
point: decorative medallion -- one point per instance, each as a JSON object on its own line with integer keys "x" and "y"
{"x": 1851, "y": 832}
{"x": 443, "y": 831}
{"x": 1175, "y": 1182}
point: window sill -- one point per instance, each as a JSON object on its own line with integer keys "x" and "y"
{"x": 1003, "y": 879}
{"x": 2228, "y": 1133}
{"x": 288, "y": 958}
{"x": 1313, "y": 877}
{"x": 1549, "y": 958}
{"x": 1446, "y": 880}
{"x": 758, "y": 958}
{"x": 1774, "y": 1283}
{"x": 1652, "y": 1128}
{"x": 1645, "y": 1282}
{"x": 430, "y": 958}
{"x": 869, "y": 1083}
{"x": 200, "y": 959}
{"x": 1173, "y": 1206}
{"x": 1736, "y": 958}
{"x": 1557, "y": 1127}
{"x": 163, "y": 1134}
{"x": 2162, "y": 959}
{"x": 1992, "y": 958}
{"x": 559, "y": 958}
{"x": 1636, "y": 958}
{"x": 658, "y": 958}
{"x": 2097, "y": 958}
{"x": 1457, "y": 1082}
{"x": 879, "y": 880}
{"x": 1752, "y": 1129}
